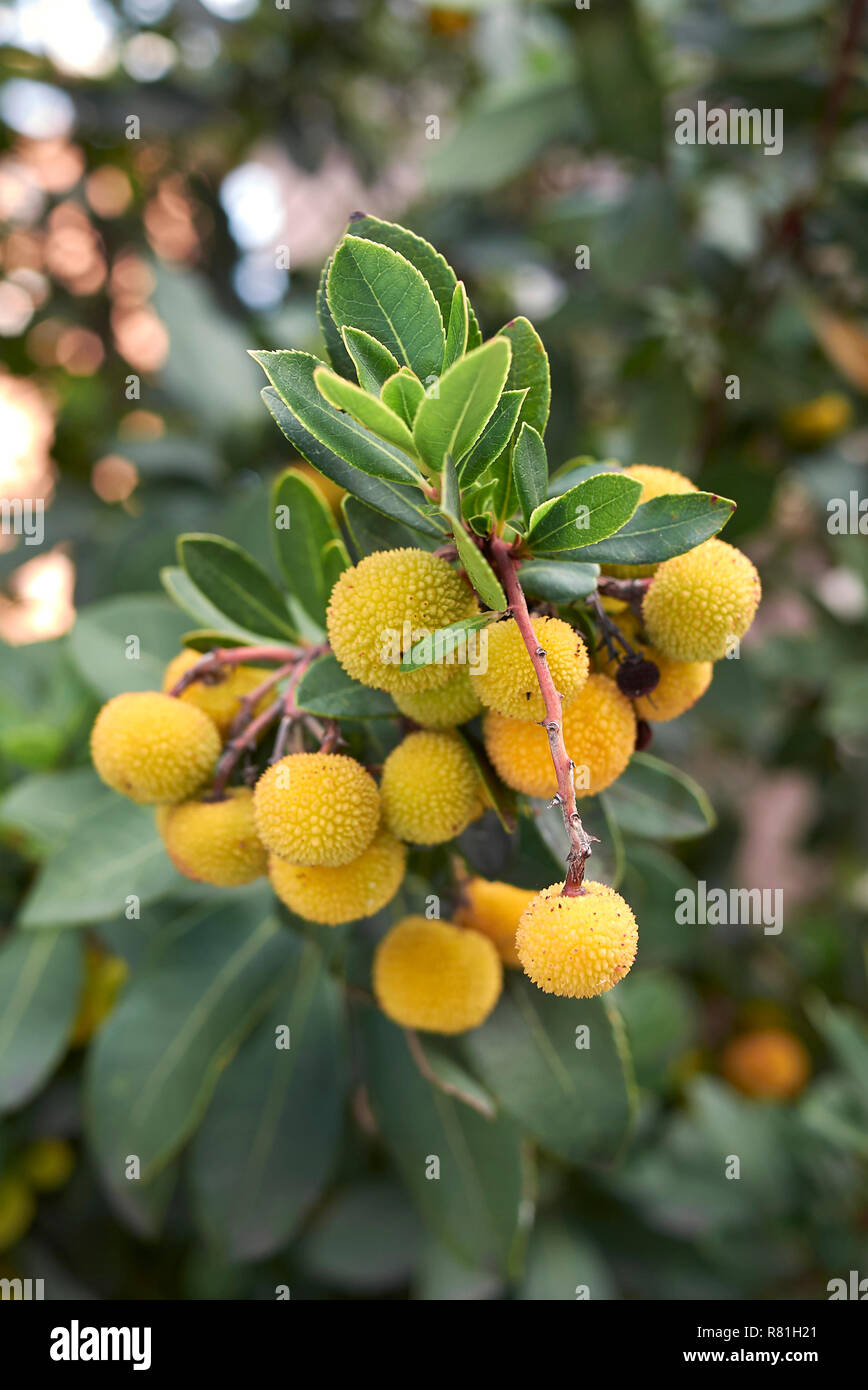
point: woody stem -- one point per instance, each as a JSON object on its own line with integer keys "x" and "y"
{"x": 580, "y": 842}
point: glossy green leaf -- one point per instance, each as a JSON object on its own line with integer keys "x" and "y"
{"x": 236, "y": 585}
{"x": 440, "y": 644}
{"x": 493, "y": 440}
{"x": 458, "y": 327}
{"x": 529, "y": 370}
{"x": 292, "y": 375}
{"x": 307, "y": 543}
{"x": 473, "y": 1206}
{"x": 108, "y": 660}
{"x": 572, "y": 1099}
{"x": 46, "y": 807}
{"x": 40, "y": 981}
{"x": 559, "y": 581}
{"x": 403, "y": 393}
{"x": 374, "y": 288}
{"x": 374, "y": 363}
{"x": 181, "y": 589}
{"x": 403, "y": 504}
{"x": 367, "y": 409}
{"x": 451, "y": 421}
{"x": 335, "y": 346}
{"x": 371, "y": 531}
{"x": 266, "y": 1147}
{"x": 658, "y": 801}
{"x": 586, "y": 514}
{"x": 326, "y": 689}
{"x": 479, "y": 571}
{"x": 529, "y": 470}
{"x": 665, "y": 526}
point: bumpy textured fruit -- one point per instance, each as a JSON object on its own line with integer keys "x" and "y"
{"x": 680, "y": 685}
{"x": 104, "y": 976}
{"x": 345, "y": 893}
{"x": 599, "y": 733}
{"x": 507, "y": 682}
{"x": 655, "y": 483}
{"x": 218, "y": 698}
{"x": 316, "y": 808}
{"x": 386, "y": 603}
{"x": 17, "y": 1209}
{"x": 429, "y": 788}
{"x": 436, "y": 976}
{"x": 152, "y": 748}
{"x": 452, "y": 704}
{"x": 697, "y": 604}
{"x": 770, "y": 1064}
{"x": 216, "y": 841}
{"x": 494, "y": 909}
{"x": 46, "y": 1165}
{"x": 818, "y": 419}
{"x": 577, "y": 946}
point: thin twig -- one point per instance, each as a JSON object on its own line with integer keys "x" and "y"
{"x": 580, "y": 841}
{"x": 213, "y": 663}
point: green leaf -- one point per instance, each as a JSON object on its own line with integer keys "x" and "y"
{"x": 847, "y": 1037}
{"x": 420, "y": 253}
{"x": 266, "y": 1147}
{"x": 439, "y": 646}
{"x": 403, "y": 504}
{"x": 112, "y": 854}
{"x": 530, "y": 470}
{"x": 108, "y": 661}
{"x": 577, "y": 470}
{"x": 494, "y": 438}
{"x": 366, "y": 1241}
{"x": 371, "y": 531}
{"x": 659, "y": 802}
{"x": 660, "y": 1017}
{"x": 374, "y": 363}
{"x": 452, "y": 421}
{"x": 309, "y": 550}
{"x": 181, "y": 589}
{"x": 458, "y": 327}
{"x": 403, "y": 393}
{"x": 46, "y": 807}
{"x": 478, "y": 570}
{"x": 572, "y": 1099}
{"x": 40, "y": 981}
{"x": 236, "y": 585}
{"x": 368, "y": 410}
{"x": 529, "y": 370}
{"x": 326, "y": 689}
{"x": 154, "y": 1065}
{"x": 292, "y": 375}
{"x": 666, "y": 526}
{"x": 335, "y": 345}
{"x": 560, "y": 1262}
{"x": 586, "y": 514}
{"x": 374, "y": 288}
{"x": 474, "y": 1205}
{"x": 559, "y": 581}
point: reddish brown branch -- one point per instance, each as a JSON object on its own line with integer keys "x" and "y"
{"x": 212, "y": 663}
{"x": 580, "y": 841}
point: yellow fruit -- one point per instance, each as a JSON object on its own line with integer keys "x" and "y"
{"x": 681, "y": 683}
{"x": 17, "y": 1209}
{"x": 452, "y": 704}
{"x": 153, "y": 748}
{"x": 345, "y": 893}
{"x": 507, "y": 682}
{"x": 218, "y": 698}
{"x": 577, "y": 946}
{"x": 216, "y": 841}
{"x": 494, "y": 909}
{"x": 818, "y": 419}
{"x": 599, "y": 733}
{"x": 46, "y": 1165}
{"x": 104, "y": 976}
{"x": 436, "y": 976}
{"x": 386, "y": 603}
{"x": 699, "y": 603}
{"x": 770, "y": 1064}
{"x": 316, "y": 808}
{"x": 656, "y": 482}
{"x": 429, "y": 788}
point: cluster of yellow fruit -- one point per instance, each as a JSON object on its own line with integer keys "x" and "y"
{"x": 333, "y": 841}
{"x": 43, "y": 1166}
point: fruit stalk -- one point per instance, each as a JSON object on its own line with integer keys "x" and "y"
{"x": 212, "y": 662}
{"x": 580, "y": 841}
